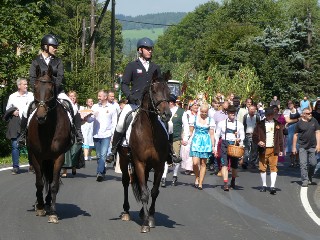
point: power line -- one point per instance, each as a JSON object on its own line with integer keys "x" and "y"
{"x": 158, "y": 24}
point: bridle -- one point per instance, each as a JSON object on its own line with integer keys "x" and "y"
{"x": 155, "y": 104}
{"x": 45, "y": 103}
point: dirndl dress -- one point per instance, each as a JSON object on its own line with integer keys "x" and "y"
{"x": 201, "y": 145}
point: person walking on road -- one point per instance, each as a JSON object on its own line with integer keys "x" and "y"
{"x": 175, "y": 124}
{"x": 231, "y": 131}
{"x": 104, "y": 118}
{"x": 307, "y": 134}
{"x": 268, "y": 135}
{"x": 17, "y": 105}
{"x": 202, "y": 143}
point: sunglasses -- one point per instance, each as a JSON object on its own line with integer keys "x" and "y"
{"x": 308, "y": 113}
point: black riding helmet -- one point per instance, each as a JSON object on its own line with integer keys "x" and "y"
{"x": 49, "y": 39}
{"x": 145, "y": 42}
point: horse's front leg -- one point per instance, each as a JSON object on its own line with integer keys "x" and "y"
{"x": 154, "y": 194}
{"x": 124, "y": 163}
{"x": 54, "y": 186}
{"x": 140, "y": 172}
{"x": 39, "y": 205}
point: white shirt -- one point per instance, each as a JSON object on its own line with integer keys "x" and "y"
{"x": 46, "y": 59}
{"x": 20, "y": 101}
{"x": 211, "y": 112}
{"x": 187, "y": 117}
{"x": 144, "y": 63}
{"x": 104, "y": 120}
{"x": 251, "y": 123}
{"x": 221, "y": 132}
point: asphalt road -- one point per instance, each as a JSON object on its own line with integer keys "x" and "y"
{"x": 90, "y": 210}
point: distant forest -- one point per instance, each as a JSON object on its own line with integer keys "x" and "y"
{"x": 159, "y": 20}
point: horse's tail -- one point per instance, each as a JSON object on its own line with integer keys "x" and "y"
{"x": 47, "y": 169}
{"x": 135, "y": 185}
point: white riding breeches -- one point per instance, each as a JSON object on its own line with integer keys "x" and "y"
{"x": 127, "y": 108}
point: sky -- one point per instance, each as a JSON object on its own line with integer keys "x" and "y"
{"x": 141, "y": 7}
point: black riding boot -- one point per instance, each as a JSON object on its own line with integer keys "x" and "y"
{"x": 117, "y": 137}
{"x": 77, "y": 124}
{"x": 172, "y": 158}
{"x": 23, "y": 131}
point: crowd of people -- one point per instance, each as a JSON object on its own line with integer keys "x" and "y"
{"x": 200, "y": 134}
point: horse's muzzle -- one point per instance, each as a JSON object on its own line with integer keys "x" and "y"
{"x": 165, "y": 116}
{"x": 41, "y": 120}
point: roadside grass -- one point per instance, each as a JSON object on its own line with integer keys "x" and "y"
{"x": 7, "y": 161}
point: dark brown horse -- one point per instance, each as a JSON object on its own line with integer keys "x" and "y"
{"x": 49, "y": 137}
{"x": 148, "y": 149}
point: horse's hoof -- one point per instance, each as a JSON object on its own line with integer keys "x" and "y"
{"x": 40, "y": 212}
{"x": 152, "y": 222}
{"x": 125, "y": 217}
{"x": 145, "y": 229}
{"x": 53, "y": 219}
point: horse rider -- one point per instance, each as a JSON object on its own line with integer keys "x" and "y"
{"x": 49, "y": 46}
{"x": 137, "y": 74}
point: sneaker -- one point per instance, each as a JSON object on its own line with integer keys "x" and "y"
{"x": 100, "y": 177}
{"x": 187, "y": 172}
{"x": 174, "y": 181}
{"x": 263, "y": 189}
{"x": 273, "y": 191}
{"x": 15, "y": 171}
{"x": 304, "y": 184}
{"x": 163, "y": 182}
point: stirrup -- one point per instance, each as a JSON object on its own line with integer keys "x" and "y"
{"x": 176, "y": 159}
{"x": 22, "y": 139}
{"x": 110, "y": 158}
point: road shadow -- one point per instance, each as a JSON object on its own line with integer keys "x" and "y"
{"x": 66, "y": 210}
{"x": 160, "y": 219}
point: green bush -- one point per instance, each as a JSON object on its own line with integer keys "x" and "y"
{"x": 4, "y": 142}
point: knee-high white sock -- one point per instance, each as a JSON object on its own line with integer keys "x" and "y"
{"x": 176, "y": 169}
{"x": 264, "y": 178}
{"x": 164, "y": 175}
{"x": 273, "y": 176}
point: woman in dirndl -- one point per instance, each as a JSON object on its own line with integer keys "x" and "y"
{"x": 187, "y": 117}
{"x": 202, "y": 143}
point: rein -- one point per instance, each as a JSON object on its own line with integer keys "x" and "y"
{"x": 154, "y": 104}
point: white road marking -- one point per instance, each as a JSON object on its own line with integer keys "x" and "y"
{"x": 8, "y": 168}
{"x": 306, "y": 205}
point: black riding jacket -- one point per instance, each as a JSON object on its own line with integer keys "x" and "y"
{"x": 135, "y": 78}
{"x": 57, "y": 67}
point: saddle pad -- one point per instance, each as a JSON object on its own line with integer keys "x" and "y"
{"x": 33, "y": 112}
{"x": 125, "y": 142}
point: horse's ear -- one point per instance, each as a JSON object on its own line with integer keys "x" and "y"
{"x": 155, "y": 76}
{"x": 50, "y": 70}
{"x": 167, "y": 76}
{"x": 38, "y": 71}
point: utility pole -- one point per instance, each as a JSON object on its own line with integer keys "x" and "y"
{"x": 309, "y": 32}
{"x": 83, "y": 38}
{"x": 113, "y": 25}
{"x": 92, "y": 26}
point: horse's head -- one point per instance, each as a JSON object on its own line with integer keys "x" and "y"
{"x": 159, "y": 93}
{"x": 44, "y": 94}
